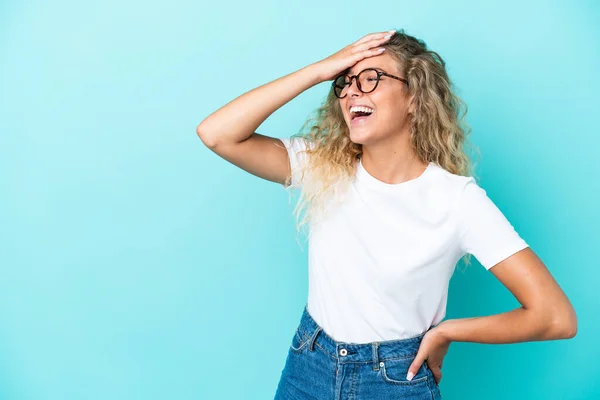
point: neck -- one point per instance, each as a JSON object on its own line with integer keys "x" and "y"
{"x": 392, "y": 160}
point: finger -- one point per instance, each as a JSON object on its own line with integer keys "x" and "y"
{"x": 374, "y": 41}
{"x": 369, "y": 44}
{"x": 437, "y": 374}
{"x": 367, "y": 53}
{"x": 371, "y": 52}
{"x": 376, "y": 35}
{"x": 414, "y": 367}
{"x": 370, "y": 37}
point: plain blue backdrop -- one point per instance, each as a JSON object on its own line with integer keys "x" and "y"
{"x": 137, "y": 264}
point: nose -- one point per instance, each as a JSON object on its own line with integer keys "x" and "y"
{"x": 352, "y": 89}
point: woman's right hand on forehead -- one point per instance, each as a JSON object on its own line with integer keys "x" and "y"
{"x": 367, "y": 46}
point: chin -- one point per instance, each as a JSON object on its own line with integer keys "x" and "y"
{"x": 361, "y": 136}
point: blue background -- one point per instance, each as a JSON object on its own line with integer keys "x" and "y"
{"x": 137, "y": 264}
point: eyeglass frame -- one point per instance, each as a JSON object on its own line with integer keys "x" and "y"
{"x": 379, "y": 75}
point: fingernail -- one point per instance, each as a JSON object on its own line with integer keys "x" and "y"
{"x": 410, "y": 376}
{"x": 388, "y": 36}
{"x": 392, "y": 31}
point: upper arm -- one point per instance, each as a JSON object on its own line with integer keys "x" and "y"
{"x": 260, "y": 155}
{"x": 483, "y": 230}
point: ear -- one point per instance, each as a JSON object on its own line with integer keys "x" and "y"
{"x": 411, "y": 106}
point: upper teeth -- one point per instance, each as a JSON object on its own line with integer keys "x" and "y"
{"x": 355, "y": 109}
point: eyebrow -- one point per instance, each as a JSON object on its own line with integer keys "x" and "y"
{"x": 377, "y": 68}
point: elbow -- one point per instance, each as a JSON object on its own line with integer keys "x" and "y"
{"x": 204, "y": 137}
{"x": 570, "y": 328}
{"x": 565, "y": 326}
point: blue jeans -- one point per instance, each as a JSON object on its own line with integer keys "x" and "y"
{"x": 319, "y": 367}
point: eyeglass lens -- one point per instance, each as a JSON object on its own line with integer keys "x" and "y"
{"x": 367, "y": 80}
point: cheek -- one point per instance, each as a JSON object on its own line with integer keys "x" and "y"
{"x": 393, "y": 111}
{"x": 390, "y": 115}
{"x": 343, "y": 110}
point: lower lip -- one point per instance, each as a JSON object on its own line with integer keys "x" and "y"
{"x": 360, "y": 120}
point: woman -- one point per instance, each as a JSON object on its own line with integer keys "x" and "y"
{"x": 392, "y": 208}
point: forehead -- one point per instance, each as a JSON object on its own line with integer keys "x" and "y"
{"x": 383, "y": 62}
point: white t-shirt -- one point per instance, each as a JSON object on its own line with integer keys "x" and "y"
{"x": 381, "y": 261}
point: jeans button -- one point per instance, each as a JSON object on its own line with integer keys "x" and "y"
{"x": 343, "y": 352}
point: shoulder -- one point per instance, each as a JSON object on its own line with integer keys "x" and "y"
{"x": 450, "y": 184}
{"x": 297, "y": 143}
{"x": 297, "y": 147}
{"x": 459, "y": 194}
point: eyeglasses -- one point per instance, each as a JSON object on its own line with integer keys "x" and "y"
{"x": 366, "y": 81}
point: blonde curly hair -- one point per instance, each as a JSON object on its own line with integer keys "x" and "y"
{"x": 438, "y": 130}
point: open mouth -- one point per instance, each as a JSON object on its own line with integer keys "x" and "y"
{"x": 359, "y": 114}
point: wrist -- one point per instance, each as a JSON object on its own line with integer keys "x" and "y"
{"x": 444, "y": 330}
{"x": 316, "y": 73}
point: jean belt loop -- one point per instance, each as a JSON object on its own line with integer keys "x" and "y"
{"x": 375, "y": 351}
{"x": 313, "y": 338}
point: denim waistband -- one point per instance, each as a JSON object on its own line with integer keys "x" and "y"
{"x": 349, "y": 352}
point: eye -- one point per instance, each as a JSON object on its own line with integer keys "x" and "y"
{"x": 341, "y": 82}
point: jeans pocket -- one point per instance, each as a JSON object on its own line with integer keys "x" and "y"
{"x": 435, "y": 387}
{"x": 393, "y": 371}
{"x": 429, "y": 372}
{"x": 299, "y": 341}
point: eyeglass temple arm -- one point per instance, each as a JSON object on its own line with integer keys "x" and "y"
{"x": 395, "y": 77}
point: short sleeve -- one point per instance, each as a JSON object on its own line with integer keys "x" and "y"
{"x": 483, "y": 229}
{"x": 296, "y": 147}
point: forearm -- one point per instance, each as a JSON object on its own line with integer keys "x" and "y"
{"x": 518, "y": 325}
{"x": 239, "y": 119}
